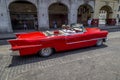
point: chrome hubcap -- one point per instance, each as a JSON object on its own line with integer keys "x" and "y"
{"x": 46, "y": 51}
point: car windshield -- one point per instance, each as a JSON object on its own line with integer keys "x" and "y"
{"x": 78, "y": 27}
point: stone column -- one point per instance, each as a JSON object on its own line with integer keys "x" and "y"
{"x": 72, "y": 15}
{"x": 43, "y": 20}
{"x": 5, "y": 24}
{"x": 95, "y": 21}
{"x": 114, "y": 16}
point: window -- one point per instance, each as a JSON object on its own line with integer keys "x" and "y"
{"x": 117, "y": 15}
{"x": 119, "y": 8}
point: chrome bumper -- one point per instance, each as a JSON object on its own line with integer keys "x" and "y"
{"x": 14, "y": 53}
{"x": 105, "y": 40}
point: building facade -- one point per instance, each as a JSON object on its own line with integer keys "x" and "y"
{"x": 44, "y": 14}
{"x": 118, "y": 13}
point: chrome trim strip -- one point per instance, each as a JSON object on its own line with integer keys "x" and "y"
{"x": 28, "y": 46}
{"x": 83, "y": 41}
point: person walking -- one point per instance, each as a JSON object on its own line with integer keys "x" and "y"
{"x": 55, "y": 24}
{"x": 36, "y": 25}
{"x": 89, "y": 22}
{"x": 25, "y": 26}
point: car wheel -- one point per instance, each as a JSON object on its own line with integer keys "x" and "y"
{"x": 99, "y": 42}
{"x": 45, "y": 52}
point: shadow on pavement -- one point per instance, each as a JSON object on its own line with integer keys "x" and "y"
{"x": 16, "y": 60}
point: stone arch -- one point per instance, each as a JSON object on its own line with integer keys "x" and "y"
{"x": 58, "y": 14}
{"x": 22, "y": 14}
{"x": 105, "y": 14}
{"x": 107, "y": 9}
{"x": 85, "y": 11}
{"x": 31, "y": 1}
{"x": 64, "y": 2}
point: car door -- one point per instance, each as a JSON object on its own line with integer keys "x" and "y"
{"x": 73, "y": 40}
{"x": 79, "y": 40}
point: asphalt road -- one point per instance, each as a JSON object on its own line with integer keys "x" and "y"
{"x": 92, "y": 63}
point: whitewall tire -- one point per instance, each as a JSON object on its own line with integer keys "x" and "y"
{"x": 45, "y": 52}
{"x": 99, "y": 42}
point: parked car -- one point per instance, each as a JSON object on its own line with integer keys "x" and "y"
{"x": 47, "y": 42}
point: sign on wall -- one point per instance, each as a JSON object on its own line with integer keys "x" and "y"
{"x": 102, "y": 17}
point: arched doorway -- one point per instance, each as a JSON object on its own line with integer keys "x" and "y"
{"x": 23, "y": 14}
{"x": 85, "y": 12}
{"x": 58, "y": 14}
{"x": 105, "y": 14}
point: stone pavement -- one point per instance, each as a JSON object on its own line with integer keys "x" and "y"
{"x": 93, "y": 63}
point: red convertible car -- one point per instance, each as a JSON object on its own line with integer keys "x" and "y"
{"x": 47, "y": 42}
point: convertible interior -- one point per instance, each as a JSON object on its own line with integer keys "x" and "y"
{"x": 67, "y": 30}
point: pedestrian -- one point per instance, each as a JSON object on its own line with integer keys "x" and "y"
{"x": 25, "y": 26}
{"x": 55, "y": 24}
{"x": 89, "y": 22}
{"x": 66, "y": 22}
{"x": 36, "y": 25}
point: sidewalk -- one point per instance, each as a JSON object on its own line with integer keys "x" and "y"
{"x": 104, "y": 27}
{"x": 110, "y": 28}
{"x": 5, "y": 36}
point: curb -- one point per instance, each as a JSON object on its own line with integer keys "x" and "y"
{"x": 12, "y": 36}
{"x": 7, "y": 38}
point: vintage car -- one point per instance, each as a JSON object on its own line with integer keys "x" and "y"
{"x": 47, "y": 42}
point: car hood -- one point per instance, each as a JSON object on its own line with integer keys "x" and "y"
{"x": 92, "y": 29}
